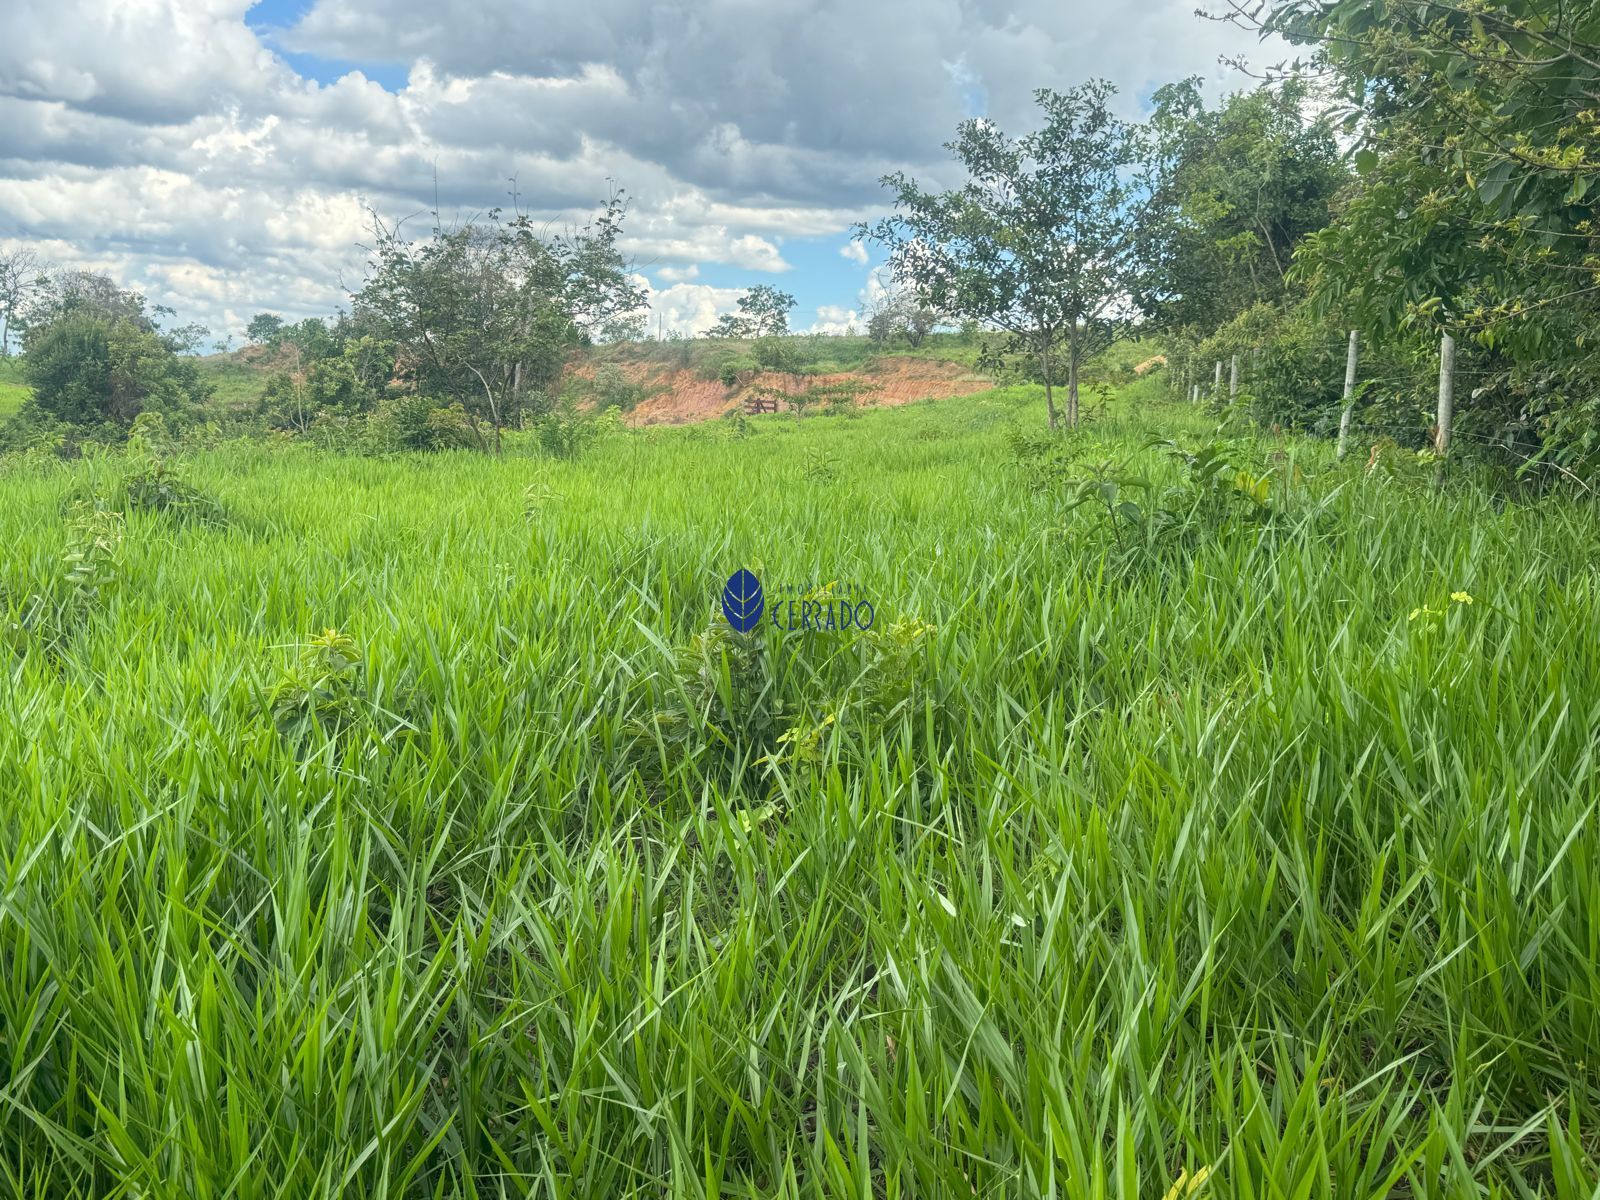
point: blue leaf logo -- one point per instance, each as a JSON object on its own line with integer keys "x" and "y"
{"x": 742, "y": 601}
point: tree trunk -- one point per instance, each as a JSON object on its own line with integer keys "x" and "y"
{"x": 1349, "y": 394}
{"x": 1049, "y": 390}
{"x": 1072, "y": 380}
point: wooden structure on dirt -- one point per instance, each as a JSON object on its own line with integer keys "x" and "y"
{"x": 760, "y": 404}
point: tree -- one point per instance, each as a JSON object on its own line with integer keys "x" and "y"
{"x": 482, "y": 313}
{"x": 1040, "y": 242}
{"x": 898, "y": 313}
{"x": 181, "y": 339}
{"x": 88, "y": 369}
{"x": 20, "y": 272}
{"x": 65, "y": 292}
{"x": 763, "y": 312}
{"x": 1477, "y": 143}
{"x": 1235, "y": 192}
{"x": 264, "y": 328}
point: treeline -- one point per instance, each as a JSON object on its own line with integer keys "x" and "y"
{"x": 1429, "y": 169}
{"x": 1426, "y": 170}
{"x": 451, "y": 339}
{"x": 1470, "y": 210}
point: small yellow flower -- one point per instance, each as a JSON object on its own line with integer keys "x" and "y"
{"x": 1461, "y": 597}
{"x": 1415, "y": 613}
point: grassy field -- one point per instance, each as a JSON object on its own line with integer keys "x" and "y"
{"x": 1213, "y": 849}
{"x": 12, "y": 390}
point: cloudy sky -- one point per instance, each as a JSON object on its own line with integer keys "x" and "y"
{"x": 219, "y": 155}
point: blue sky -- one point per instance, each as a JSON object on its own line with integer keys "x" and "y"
{"x": 270, "y": 18}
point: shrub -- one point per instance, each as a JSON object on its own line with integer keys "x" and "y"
{"x": 416, "y": 423}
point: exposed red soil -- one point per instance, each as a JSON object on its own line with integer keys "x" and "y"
{"x": 682, "y": 395}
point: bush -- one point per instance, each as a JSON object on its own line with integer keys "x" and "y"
{"x": 612, "y": 389}
{"x": 734, "y": 371}
{"x": 416, "y": 423}
{"x": 89, "y": 370}
{"x": 565, "y": 432}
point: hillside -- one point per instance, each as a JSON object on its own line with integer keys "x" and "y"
{"x": 681, "y": 381}
{"x": 679, "y": 395}
{"x": 12, "y": 390}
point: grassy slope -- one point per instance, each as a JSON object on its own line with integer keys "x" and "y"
{"x": 12, "y": 390}
{"x": 238, "y": 385}
{"x": 1216, "y": 860}
{"x": 238, "y": 379}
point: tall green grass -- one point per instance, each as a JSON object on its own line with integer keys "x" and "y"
{"x": 13, "y": 391}
{"x": 1206, "y": 872}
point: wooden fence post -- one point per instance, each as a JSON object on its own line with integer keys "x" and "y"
{"x": 1447, "y": 400}
{"x": 1216, "y": 384}
{"x": 1233, "y": 378}
{"x": 1349, "y": 394}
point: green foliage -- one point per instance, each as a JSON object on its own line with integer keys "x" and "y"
{"x": 485, "y": 315}
{"x": 900, "y": 315}
{"x": 820, "y": 468}
{"x": 264, "y": 328}
{"x": 14, "y": 391}
{"x": 1475, "y": 209}
{"x": 566, "y": 431}
{"x": 325, "y": 692}
{"x": 1236, "y": 190}
{"x": 612, "y": 389}
{"x": 763, "y": 312}
{"x": 1041, "y": 242}
{"x": 87, "y": 369}
{"x": 779, "y": 354}
{"x": 411, "y": 422}
{"x": 94, "y": 552}
{"x": 734, "y": 371}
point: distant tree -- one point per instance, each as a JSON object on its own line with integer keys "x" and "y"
{"x": 20, "y": 278}
{"x": 182, "y": 339}
{"x": 294, "y": 397}
{"x": 763, "y": 312}
{"x": 1040, "y": 242}
{"x": 65, "y": 292}
{"x": 897, "y": 312}
{"x": 728, "y": 325}
{"x": 264, "y": 328}
{"x": 311, "y": 337}
{"x": 96, "y": 357}
{"x": 482, "y": 313}
{"x": 766, "y": 310}
{"x": 631, "y": 327}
